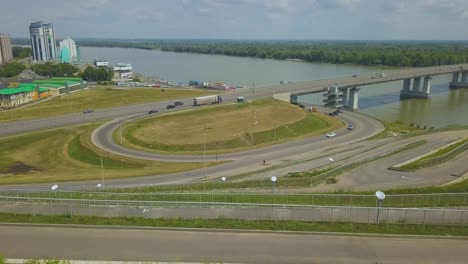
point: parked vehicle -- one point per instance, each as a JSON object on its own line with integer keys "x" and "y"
{"x": 350, "y": 127}
{"x": 240, "y": 99}
{"x": 89, "y": 110}
{"x": 170, "y": 106}
{"x": 331, "y": 114}
{"x": 330, "y": 134}
{"x": 210, "y": 99}
{"x": 152, "y": 112}
{"x": 177, "y": 103}
{"x": 355, "y": 75}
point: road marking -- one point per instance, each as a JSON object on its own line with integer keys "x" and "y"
{"x": 412, "y": 179}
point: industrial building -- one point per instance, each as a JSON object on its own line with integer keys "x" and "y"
{"x": 6, "y": 50}
{"x": 124, "y": 71}
{"x": 43, "y": 43}
{"x": 69, "y": 51}
{"x": 62, "y": 85}
{"x": 22, "y": 94}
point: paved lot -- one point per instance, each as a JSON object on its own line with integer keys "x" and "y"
{"x": 223, "y": 247}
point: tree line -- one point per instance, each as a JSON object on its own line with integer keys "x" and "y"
{"x": 11, "y": 69}
{"x": 21, "y": 52}
{"x": 67, "y": 70}
{"x": 388, "y": 53}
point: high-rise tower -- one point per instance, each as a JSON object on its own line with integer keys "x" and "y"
{"x": 43, "y": 43}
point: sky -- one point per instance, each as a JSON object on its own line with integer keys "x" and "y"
{"x": 242, "y": 19}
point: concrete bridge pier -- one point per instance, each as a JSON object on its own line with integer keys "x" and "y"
{"x": 427, "y": 85}
{"x": 417, "y": 91}
{"x": 417, "y": 85}
{"x": 459, "y": 82}
{"x": 334, "y": 97}
{"x": 407, "y": 85}
{"x": 354, "y": 99}
{"x": 345, "y": 97}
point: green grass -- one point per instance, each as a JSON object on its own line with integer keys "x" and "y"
{"x": 396, "y": 127}
{"x": 421, "y": 163}
{"x": 445, "y": 150}
{"x": 79, "y": 152}
{"x": 67, "y": 154}
{"x": 96, "y": 98}
{"x": 383, "y": 228}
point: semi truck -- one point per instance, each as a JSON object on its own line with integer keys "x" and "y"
{"x": 210, "y": 99}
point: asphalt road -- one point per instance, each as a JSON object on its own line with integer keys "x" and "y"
{"x": 12, "y": 128}
{"x": 365, "y": 127}
{"x": 145, "y": 244}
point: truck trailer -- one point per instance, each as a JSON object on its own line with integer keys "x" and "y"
{"x": 210, "y": 99}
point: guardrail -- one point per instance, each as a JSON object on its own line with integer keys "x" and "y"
{"x": 193, "y": 210}
{"x": 397, "y": 201}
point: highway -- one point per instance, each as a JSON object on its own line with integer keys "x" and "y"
{"x": 242, "y": 162}
{"x": 148, "y": 244}
{"x": 12, "y": 128}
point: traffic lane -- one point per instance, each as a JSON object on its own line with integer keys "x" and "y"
{"x": 249, "y": 161}
{"x": 8, "y": 128}
{"x": 120, "y": 244}
{"x": 365, "y": 126}
{"x": 376, "y": 175}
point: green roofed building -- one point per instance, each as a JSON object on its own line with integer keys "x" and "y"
{"x": 62, "y": 85}
{"x": 23, "y": 94}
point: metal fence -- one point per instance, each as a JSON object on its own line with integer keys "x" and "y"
{"x": 192, "y": 210}
{"x": 398, "y": 201}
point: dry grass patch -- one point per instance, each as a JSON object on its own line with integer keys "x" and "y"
{"x": 227, "y": 128}
{"x": 97, "y": 98}
{"x": 223, "y": 125}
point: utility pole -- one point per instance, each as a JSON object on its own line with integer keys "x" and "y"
{"x": 102, "y": 171}
{"x": 204, "y": 148}
{"x": 121, "y": 121}
{"x": 253, "y": 87}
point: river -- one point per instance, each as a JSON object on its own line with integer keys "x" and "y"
{"x": 445, "y": 107}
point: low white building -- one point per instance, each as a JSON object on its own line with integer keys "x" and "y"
{"x": 68, "y": 51}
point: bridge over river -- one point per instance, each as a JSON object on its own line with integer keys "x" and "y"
{"x": 344, "y": 91}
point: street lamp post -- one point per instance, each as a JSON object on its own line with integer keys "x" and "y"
{"x": 380, "y": 197}
{"x": 102, "y": 171}
{"x": 224, "y": 180}
{"x": 273, "y": 180}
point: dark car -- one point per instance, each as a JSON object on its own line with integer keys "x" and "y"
{"x": 89, "y": 110}
{"x": 355, "y": 75}
{"x": 331, "y": 114}
{"x": 178, "y": 103}
{"x": 170, "y": 106}
{"x": 336, "y": 113}
{"x": 152, "y": 112}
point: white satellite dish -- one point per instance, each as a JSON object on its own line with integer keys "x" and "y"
{"x": 223, "y": 178}
{"x": 99, "y": 185}
{"x": 273, "y": 179}
{"x": 380, "y": 195}
{"x": 331, "y": 159}
{"x": 54, "y": 187}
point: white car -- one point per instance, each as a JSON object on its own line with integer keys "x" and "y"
{"x": 330, "y": 134}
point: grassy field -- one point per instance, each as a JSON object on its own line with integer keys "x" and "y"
{"x": 425, "y": 161}
{"x": 243, "y": 224}
{"x": 395, "y": 128}
{"x": 67, "y": 155}
{"x": 96, "y": 98}
{"x": 227, "y": 128}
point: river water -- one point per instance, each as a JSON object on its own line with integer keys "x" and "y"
{"x": 445, "y": 107}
